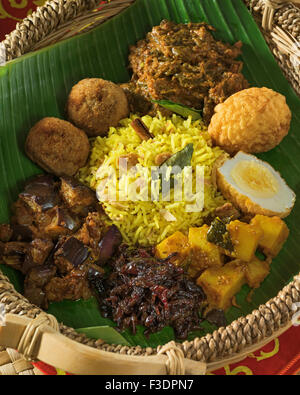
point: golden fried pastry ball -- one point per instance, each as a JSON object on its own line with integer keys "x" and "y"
{"x": 252, "y": 120}
{"x": 95, "y": 104}
{"x": 57, "y": 146}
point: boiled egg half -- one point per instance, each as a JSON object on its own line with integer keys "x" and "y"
{"x": 254, "y": 186}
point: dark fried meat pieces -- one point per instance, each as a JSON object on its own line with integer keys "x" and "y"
{"x": 141, "y": 290}
{"x": 6, "y": 232}
{"x": 79, "y": 198}
{"x": 54, "y": 238}
{"x": 185, "y": 64}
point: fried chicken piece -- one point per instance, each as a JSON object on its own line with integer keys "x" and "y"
{"x": 14, "y": 253}
{"x": 95, "y": 104}
{"x": 22, "y": 214}
{"x": 78, "y": 197}
{"x": 230, "y": 84}
{"x": 35, "y": 282}
{"x": 57, "y": 146}
{"x": 40, "y": 250}
{"x": 73, "y": 286}
{"x": 6, "y": 232}
{"x": 24, "y": 232}
{"x": 137, "y": 103}
{"x": 92, "y": 232}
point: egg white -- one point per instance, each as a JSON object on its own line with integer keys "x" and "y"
{"x": 279, "y": 202}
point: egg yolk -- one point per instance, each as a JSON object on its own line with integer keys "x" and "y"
{"x": 255, "y": 179}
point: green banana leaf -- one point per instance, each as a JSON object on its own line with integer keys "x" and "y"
{"x": 77, "y": 314}
{"x": 37, "y": 85}
{"x": 106, "y": 333}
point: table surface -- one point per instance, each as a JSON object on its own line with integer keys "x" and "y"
{"x": 279, "y": 357}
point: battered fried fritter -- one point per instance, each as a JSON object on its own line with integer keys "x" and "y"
{"x": 95, "y": 104}
{"x": 57, "y": 146}
{"x": 252, "y": 120}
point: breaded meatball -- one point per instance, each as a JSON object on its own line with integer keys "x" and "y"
{"x": 57, "y": 146}
{"x": 95, "y": 104}
{"x": 252, "y": 120}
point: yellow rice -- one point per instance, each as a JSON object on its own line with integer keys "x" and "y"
{"x": 145, "y": 222}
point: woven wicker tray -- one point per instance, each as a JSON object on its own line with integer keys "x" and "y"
{"x": 36, "y": 334}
